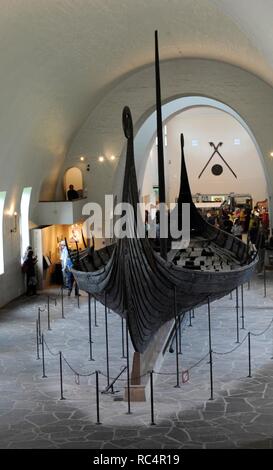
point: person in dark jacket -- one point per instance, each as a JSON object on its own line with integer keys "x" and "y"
{"x": 72, "y": 193}
{"x": 29, "y": 269}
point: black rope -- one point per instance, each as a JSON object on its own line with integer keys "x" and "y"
{"x": 124, "y": 380}
{"x": 232, "y": 350}
{"x": 78, "y": 374}
{"x": 264, "y": 331}
{"x": 197, "y": 363}
{"x": 49, "y": 350}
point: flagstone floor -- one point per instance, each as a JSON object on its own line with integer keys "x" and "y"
{"x": 33, "y": 416}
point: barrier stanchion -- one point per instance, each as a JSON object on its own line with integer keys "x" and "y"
{"x": 152, "y": 398}
{"x": 237, "y": 316}
{"x": 190, "y": 323}
{"x": 106, "y": 339}
{"x": 193, "y": 315}
{"x": 97, "y": 397}
{"x": 128, "y": 369}
{"x": 37, "y": 340}
{"x": 230, "y": 295}
{"x": 43, "y": 357}
{"x": 39, "y": 325}
{"x": 90, "y": 329}
{"x": 122, "y": 339}
{"x": 243, "y": 307}
{"x": 61, "y": 375}
{"x": 264, "y": 282}
{"x": 48, "y": 314}
{"x": 62, "y": 301}
{"x": 249, "y": 355}
{"x": 248, "y": 285}
{"x": 78, "y": 298}
{"x": 180, "y": 337}
{"x": 176, "y": 341}
{"x": 95, "y": 311}
{"x": 210, "y": 352}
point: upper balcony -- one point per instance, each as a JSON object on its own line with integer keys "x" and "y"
{"x": 60, "y": 212}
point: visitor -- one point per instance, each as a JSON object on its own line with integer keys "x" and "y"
{"x": 28, "y": 249}
{"x": 253, "y": 232}
{"x": 237, "y": 229}
{"x": 247, "y": 215}
{"x": 147, "y": 225}
{"x": 68, "y": 278}
{"x": 72, "y": 193}
{"x": 264, "y": 219}
{"x": 29, "y": 269}
{"x": 211, "y": 219}
{"x": 227, "y": 224}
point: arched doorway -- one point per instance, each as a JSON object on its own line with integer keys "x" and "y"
{"x": 146, "y": 134}
{"x": 73, "y": 176}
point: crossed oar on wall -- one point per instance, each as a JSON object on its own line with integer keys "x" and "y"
{"x": 216, "y": 151}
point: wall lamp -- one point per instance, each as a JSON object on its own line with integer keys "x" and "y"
{"x": 14, "y": 229}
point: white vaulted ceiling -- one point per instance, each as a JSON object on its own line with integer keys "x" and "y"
{"x": 58, "y": 57}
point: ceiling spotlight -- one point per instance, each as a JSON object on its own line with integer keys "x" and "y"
{"x": 271, "y": 154}
{"x": 112, "y": 157}
{"x": 82, "y": 159}
{"x": 101, "y": 159}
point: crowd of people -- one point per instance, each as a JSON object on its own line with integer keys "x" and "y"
{"x": 242, "y": 220}
{"x": 29, "y": 269}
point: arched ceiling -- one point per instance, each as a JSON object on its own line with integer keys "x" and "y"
{"x": 59, "y": 56}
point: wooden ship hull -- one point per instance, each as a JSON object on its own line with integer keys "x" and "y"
{"x": 149, "y": 288}
{"x": 133, "y": 280}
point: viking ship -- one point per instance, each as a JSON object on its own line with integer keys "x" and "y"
{"x": 147, "y": 287}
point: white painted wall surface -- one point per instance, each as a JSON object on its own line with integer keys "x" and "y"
{"x": 102, "y": 132}
{"x": 204, "y": 124}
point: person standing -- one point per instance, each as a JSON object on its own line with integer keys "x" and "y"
{"x": 29, "y": 268}
{"x": 237, "y": 229}
{"x": 72, "y": 193}
{"x": 68, "y": 278}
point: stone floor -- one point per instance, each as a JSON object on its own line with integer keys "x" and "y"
{"x": 33, "y": 416}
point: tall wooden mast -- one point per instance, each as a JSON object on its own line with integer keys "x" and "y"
{"x": 160, "y": 152}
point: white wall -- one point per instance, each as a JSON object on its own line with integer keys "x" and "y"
{"x": 102, "y": 132}
{"x": 206, "y": 124}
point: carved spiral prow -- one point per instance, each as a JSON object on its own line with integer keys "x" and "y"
{"x": 127, "y": 122}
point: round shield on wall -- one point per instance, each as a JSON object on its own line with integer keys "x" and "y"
{"x": 217, "y": 170}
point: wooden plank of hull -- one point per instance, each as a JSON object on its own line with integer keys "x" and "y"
{"x": 146, "y": 293}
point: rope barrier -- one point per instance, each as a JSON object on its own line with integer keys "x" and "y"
{"x": 199, "y": 362}
{"x": 78, "y": 374}
{"x": 125, "y": 380}
{"x": 232, "y": 350}
{"x": 264, "y": 331}
{"x": 49, "y": 350}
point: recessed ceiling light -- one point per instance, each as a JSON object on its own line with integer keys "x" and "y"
{"x": 101, "y": 159}
{"x": 112, "y": 157}
{"x": 271, "y": 154}
{"x": 82, "y": 159}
